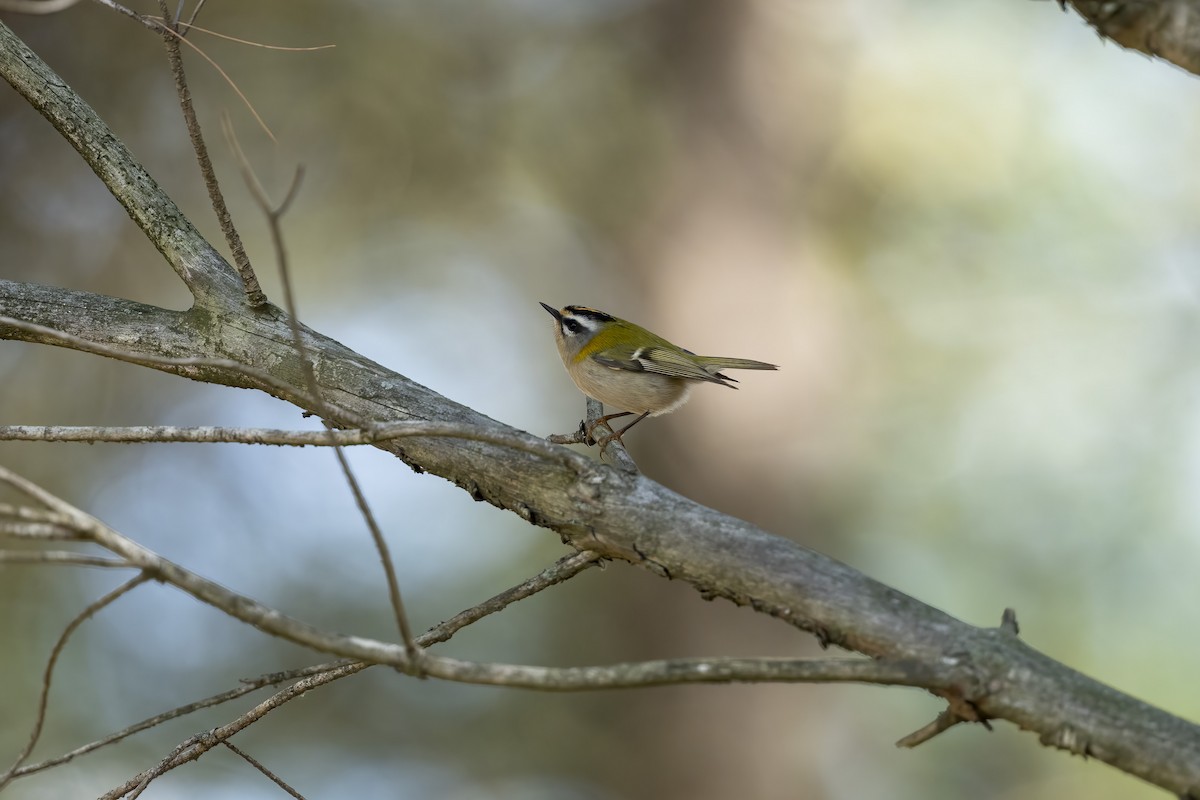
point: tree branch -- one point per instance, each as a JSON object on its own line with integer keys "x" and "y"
{"x": 617, "y": 676}
{"x": 312, "y": 677}
{"x": 1166, "y": 29}
{"x": 47, "y": 676}
{"x": 274, "y": 215}
{"x": 615, "y": 514}
{"x": 171, "y": 38}
{"x": 60, "y": 557}
{"x": 199, "y": 266}
{"x": 147, "y": 434}
{"x": 271, "y": 775}
{"x": 632, "y": 518}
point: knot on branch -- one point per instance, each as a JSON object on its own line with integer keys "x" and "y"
{"x": 1069, "y": 739}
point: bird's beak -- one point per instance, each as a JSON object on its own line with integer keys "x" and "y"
{"x": 553, "y": 312}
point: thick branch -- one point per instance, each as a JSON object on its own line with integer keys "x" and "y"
{"x": 1166, "y": 29}
{"x": 615, "y": 514}
{"x": 632, "y": 518}
{"x": 616, "y": 676}
{"x": 206, "y": 274}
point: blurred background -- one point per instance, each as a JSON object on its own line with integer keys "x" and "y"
{"x": 966, "y": 232}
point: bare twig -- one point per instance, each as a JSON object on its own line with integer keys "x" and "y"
{"x": 128, "y": 12}
{"x": 274, "y": 436}
{"x": 33, "y": 514}
{"x": 190, "y": 27}
{"x": 959, "y": 709}
{"x": 652, "y": 673}
{"x": 642, "y": 521}
{"x": 385, "y": 558}
{"x": 195, "y": 12}
{"x": 318, "y": 675}
{"x": 150, "y": 775}
{"x": 239, "y": 606}
{"x": 248, "y": 687}
{"x": 205, "y": 273}
{"x": 40, "y": 531}
{"x": 254, "y": 763}
{"x": 144, "y": 434}
{"x": 685, "y": 670}
{"x": 274, "y": 215}
{"x": 171, "y": 38}
{"x": 157, "y": 25}
{"x": 197, "y": 746}
{"x": 48, "y": 674}
{"x": 58, "y": 557}
{"x": 564, "y": 569}
{"x": 649, "y": 673}
{"x": 943, "y": 722}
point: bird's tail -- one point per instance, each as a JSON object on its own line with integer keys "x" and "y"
{"x": 713, "y": 364}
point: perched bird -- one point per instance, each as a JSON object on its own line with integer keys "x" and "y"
{"x": 627, "y": 367}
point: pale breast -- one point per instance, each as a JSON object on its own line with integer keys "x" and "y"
{"x": 625, "y": 390}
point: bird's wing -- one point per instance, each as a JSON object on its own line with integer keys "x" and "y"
{"x": 657, "y": 359}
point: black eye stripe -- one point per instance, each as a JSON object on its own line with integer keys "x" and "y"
{"x": 571, "y": 326}
{"x": 588, "y": 313}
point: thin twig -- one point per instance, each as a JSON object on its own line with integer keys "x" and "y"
{"x": 197, "y": 746}
{"x": 150, "y": 775}
{"x": 128, "y": 12}
{"x": 385, "y": 558}
{"x": 321, "y": 674}
{"x": 236, "y": 605}
{"x": 40, "y": 531}
{"x": 650, "y": 673}
{"x": 564, "y": 569}
{"x": 59, "y": 557}
{"x": 29, "y": 514}
{"x": 616, "y": 676}
{"x": 66, "y": 512}
{"x": 48, "y": 674}
{"x": 248, "y": 687}
{"x": 522, "y": 676}
{"x": 190, "y": 27}
{"x": 196, "y": 13}
{"x": 273, "y": 436}
{"x": 942, "y": 723}
{"x": 155, "y": 24}
{"x": 151, "y": 434}
{"x": 274, "y": 215}
{"x": 172, "y": 38}
{"x": 258, "y": 766}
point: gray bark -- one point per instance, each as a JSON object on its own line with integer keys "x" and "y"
{"x": 983, "y": 672}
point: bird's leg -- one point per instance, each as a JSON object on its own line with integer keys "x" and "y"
{"x": 616, "y": 436}
{"x": 624, "y": 430}
{"x": 590, "y": 427}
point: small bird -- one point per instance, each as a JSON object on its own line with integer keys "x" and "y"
{"x": 627, "y": 367}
